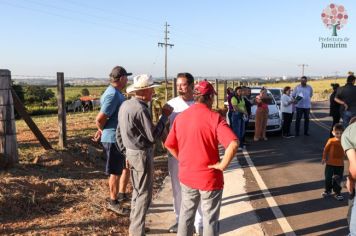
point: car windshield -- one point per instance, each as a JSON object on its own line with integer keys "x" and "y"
{"x": 276, "y": 92}
{"x": 253, "y": 97}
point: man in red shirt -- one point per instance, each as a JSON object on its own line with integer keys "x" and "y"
{"x": 193, "y": 140}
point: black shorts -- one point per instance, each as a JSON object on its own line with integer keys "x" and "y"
{"x": 115, "y": 160}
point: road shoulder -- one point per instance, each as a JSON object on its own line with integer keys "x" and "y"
{"x": 237, "y": 216}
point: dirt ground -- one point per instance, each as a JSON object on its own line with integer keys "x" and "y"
{"x": 61, "y": 192}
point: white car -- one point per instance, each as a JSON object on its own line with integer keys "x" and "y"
{"x": 274, "y": 122}
{"x": 277, "y": 94}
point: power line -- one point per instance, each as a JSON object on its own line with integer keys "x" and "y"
{"x": 54, "y": 77}
{"x": 106, "y": 24}
{"x": 165, "y": 45}
{"x": 114, "y": 12}
{"x": 34, "y": 76}
{"x": 92, "y": 15}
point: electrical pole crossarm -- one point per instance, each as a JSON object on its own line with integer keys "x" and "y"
{"x": 165, "y": 45}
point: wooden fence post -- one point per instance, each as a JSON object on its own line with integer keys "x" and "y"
{"x": 8, "y": 143}
{"x": 217, "y": 92}
{"x": 62, "y": 142}
{"x": 33, "y": 127}
{"x": 175, "y": 87}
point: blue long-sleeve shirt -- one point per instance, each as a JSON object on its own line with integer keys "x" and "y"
{"x": 305, "y": 92}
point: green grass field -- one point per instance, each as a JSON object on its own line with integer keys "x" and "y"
{"x": 322, "y": 89}
{"x": 75, "y": 91}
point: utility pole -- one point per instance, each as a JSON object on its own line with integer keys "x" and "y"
{"x": 165, "y": 45}
{"x": 336, "y": 75}
{"x": 303, "y": 65}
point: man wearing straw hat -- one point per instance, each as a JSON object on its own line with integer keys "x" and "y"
{"x": 138, "y": 136}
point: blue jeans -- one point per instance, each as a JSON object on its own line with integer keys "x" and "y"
{"x": 229, "y": 116}
{"x": 238, "y": 126}
{"x": 353, "y": 219}
{"x": 346, "y": 117}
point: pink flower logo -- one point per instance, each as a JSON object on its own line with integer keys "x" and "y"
{"x": 334, "y": 17}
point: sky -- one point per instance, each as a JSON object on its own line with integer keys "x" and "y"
{"x": 211, "y": 38}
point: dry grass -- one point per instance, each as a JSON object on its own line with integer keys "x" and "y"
{"x": 65, "y": 192}
{"x": 322, "y": 88}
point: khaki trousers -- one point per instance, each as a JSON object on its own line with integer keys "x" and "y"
{"x": 261, "y": 123}
{"x": 141, "y": 170}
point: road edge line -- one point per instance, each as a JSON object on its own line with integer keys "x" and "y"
{"x": 281, "y": 219}
{"x": 317, "y": 121}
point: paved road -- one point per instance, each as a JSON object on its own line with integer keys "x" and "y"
{"x": 293, "y": 174}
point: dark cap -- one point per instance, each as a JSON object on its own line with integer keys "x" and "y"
{"x": 350, "y": 79}
{"x": 335, "y": 86}
{"x": 204, "y": 88}
{"x": 118, "y": 71}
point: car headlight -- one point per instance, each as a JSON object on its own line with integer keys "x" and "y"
{"x": 273, "y": 116}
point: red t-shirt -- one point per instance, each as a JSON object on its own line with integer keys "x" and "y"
{"x": 196, "y": 133}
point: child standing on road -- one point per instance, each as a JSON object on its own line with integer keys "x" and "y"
{"x": 333, "y": 156}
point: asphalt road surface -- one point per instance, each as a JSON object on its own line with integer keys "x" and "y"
{"x": 294, "y": 177}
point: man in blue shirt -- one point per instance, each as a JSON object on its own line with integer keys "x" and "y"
{"x": 107, "y": 122}
{"x": 302, "y": 94}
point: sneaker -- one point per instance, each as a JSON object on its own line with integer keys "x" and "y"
{"x": 339, "y": 197}
{"x": 117, "y": 209}
{"x": 325, "y": 194}
{"x": 265, "y": 138}
{"x": 289, "y": 136}
{"x": 173, "y": 228}
{"x": 125, "y": 198}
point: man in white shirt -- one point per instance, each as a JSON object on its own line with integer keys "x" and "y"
{"x": 185, "y": 88}
{"x": 303, "y": 94}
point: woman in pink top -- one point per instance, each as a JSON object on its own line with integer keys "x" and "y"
{"x": 261, "y": 115}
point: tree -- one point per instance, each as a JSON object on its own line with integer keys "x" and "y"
{"x": 85, "y": 92}
{"x": 19, "y": 92}
{"x": 37, "y": 94}
{"x": 334, "y": 17}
